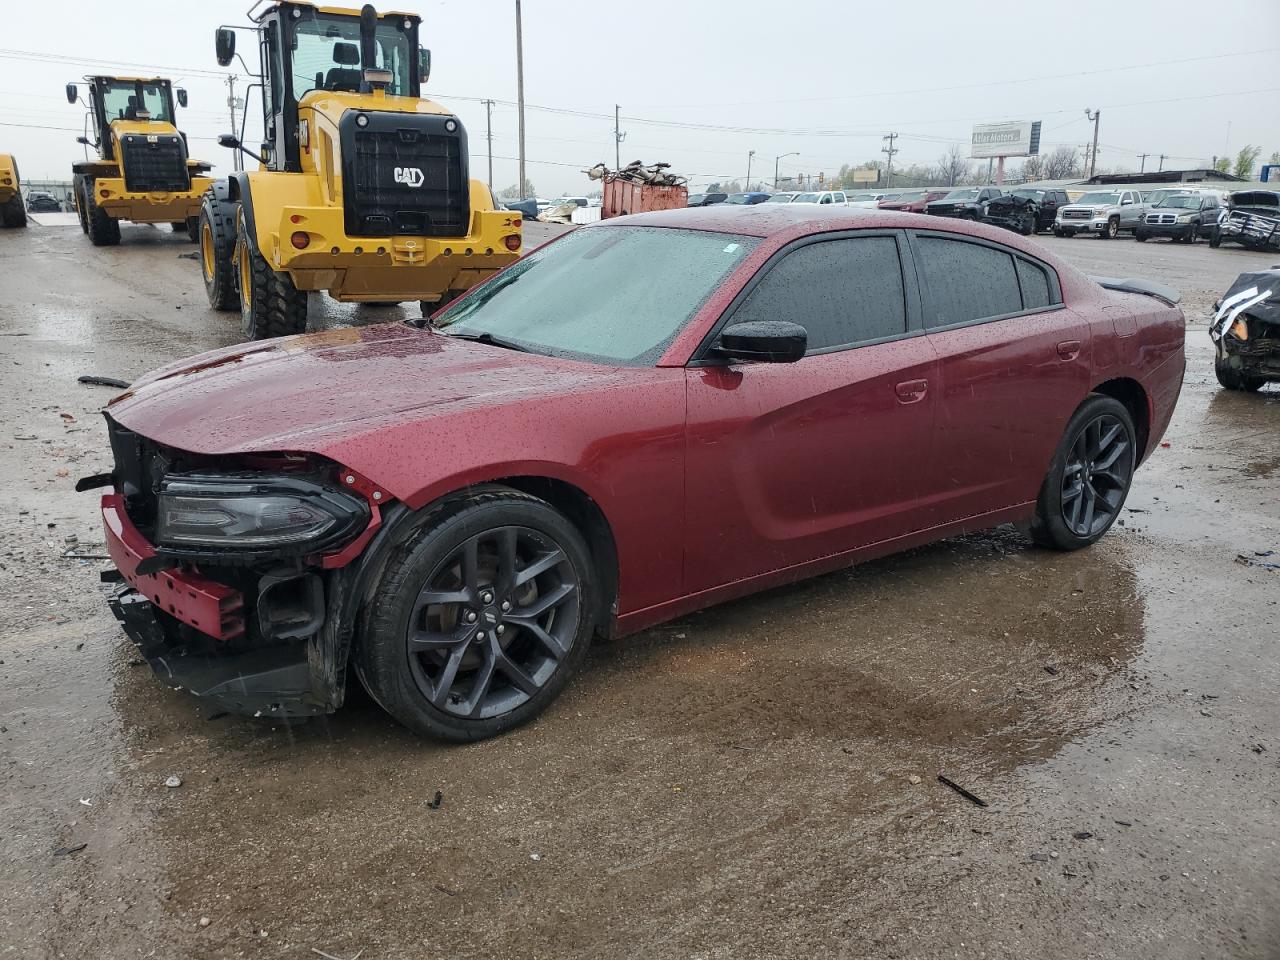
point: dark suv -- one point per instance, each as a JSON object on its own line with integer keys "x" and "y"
{"x": 1183, "y": 217}
{"x": 963, "y": 202}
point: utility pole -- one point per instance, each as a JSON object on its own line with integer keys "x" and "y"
{"x": 794, "y": 153}
{"x": 1143, "y": 158}
{"x": 1095, "y": 116}
{"x": 1163, "y": 158}
{"x": 236, "y": 162}
{"x": 750, "y": 154}
{"x": 618, "y": 137}
{"x": 520, "y": 92}
{"x": 890, "y": 150}
{"x": 488, "y": 128}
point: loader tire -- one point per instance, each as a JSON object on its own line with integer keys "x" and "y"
{"x": 179, "y": 226}
{"x": 192, "y": 226}
{"x": 270, "y": 305}
{"x": 216, "y": 234}
{"x": 14, "y": 212}
{"x": 104, "y": 229}
{"x": 77, "y": 194}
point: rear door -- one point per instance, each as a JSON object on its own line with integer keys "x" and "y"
{"x": 1013, "y": 366}
{"x": 792, "y": 462}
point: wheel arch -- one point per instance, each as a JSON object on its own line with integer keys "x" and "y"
{"x": 1136, "y": 400}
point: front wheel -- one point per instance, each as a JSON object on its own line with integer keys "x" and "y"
{"x": 1111, "y": 230}
{"x": 1215, "y": 239}
{"x": 1140, "y": 236}
{"x": 270, "y": 305}
{"x": 481, "y": 618}
{"x": 1194, "y": 233}
{"x": 216, "y": 233}
{"x": 1089, "y": 477}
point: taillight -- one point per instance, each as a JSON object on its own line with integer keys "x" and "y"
{"x": 511, "y": 241}
{"x": 105, "y": 193}
{"x": 300, "y": 240}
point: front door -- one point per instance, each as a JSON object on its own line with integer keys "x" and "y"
{"x": 792, "y": 462}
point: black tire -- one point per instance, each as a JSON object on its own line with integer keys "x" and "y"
{"x": 193, "y": 228}
{"x": 1232, "y": 378}
{"x": 1140, "y": 236}
{"x": 1194, "y": 233}
{"x": 1104, "y": 463}
{"x": 1028, "y": 226}
{"x": 216, "y": 234}
{"x": 270, "y": 305}
{"x": 1112, "y": 229}
{"x": 1215, "y": 239}
{"x": 14, "y": 211}
{"x": 77, "y": 193}
{"x": 178, "y": 227}
{"x": 103, "y": 229}
{"x": 443, "y": 675}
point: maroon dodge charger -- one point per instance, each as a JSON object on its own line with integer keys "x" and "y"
{"x": 641, "y": 418}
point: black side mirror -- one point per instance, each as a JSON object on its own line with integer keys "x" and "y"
{"x": 763, "y": 341}
{"x": 229, "y": 140}
{"x": 84, "y": 140}
{"x": 72, "y": 94}
{"x": 424, "y": 65}
{"x": 225, "y": 46}
{"x": 182, "y": 97}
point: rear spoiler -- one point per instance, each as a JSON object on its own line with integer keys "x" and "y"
{"x": 1148, "y": 288}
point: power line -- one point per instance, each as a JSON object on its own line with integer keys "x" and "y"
{"x": 39, "y": 57}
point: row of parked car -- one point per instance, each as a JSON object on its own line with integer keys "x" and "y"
{"x": 1180, "y": 214}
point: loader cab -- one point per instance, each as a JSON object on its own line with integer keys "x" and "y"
{"x": 303, "y": 48}
{"x": 125, "y": 98}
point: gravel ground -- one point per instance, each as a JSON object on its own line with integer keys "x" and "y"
{"x": 758, "y": 780}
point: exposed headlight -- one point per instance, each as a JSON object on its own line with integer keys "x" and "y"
{"x": 1185, "y": 217}
{"x": 233, "y": 511}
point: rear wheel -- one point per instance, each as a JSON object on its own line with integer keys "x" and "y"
{"x": 1233, "y": 378}
{"x": 216, "y": 233}
{"x": 1215, "y": 239}
{"x": 479, "y": 621}
{"x": 1089, "y": 478}
{"x": 14, "y": 212}
{"x": 104, "y": 229}
{"x": 270, "y": 305}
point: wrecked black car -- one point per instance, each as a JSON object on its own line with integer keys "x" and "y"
{"x": 1246, "y": 332}
{"x": 1020, "y": 214}
{"x": 1253, "y": 222}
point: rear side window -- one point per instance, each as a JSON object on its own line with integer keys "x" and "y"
{"x": 1035, "y": 285}
{"x": 843, "y": 292}
{"x": 966, "y": 281}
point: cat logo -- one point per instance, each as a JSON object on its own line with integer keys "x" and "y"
{"x": 409, "y": 176}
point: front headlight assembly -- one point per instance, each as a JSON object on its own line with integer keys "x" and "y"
{"x": 203, "y": 512}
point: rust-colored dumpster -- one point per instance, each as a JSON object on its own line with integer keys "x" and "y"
{"x": 622, "y": 195}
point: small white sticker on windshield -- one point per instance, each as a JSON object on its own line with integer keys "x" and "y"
{"x": 730, "y": 248}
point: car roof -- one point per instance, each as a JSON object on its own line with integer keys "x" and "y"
{"x": 770, "y": 219}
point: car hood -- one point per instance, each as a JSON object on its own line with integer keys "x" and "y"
{"x": 313, "y": 392}
{"x": 1011, "y": 202}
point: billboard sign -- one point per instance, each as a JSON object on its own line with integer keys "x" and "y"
{"x": 866, "y": 176}
{"x": 1016, "y": 138}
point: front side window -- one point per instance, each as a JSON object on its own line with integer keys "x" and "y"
{"x": 616, "y": 295}
{"x": 126, "y": 99}
{"x": 843, "y": 292}
{"x": 966, "y": 281}
{"x": 325, "y": 53}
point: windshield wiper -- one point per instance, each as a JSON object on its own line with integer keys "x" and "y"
{"x": 490, "y": 339}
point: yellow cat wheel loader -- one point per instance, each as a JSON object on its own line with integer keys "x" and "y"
{"x": 12, "y": 211}
{"x": 361, "y": 188}
{"x": 142, "y": 172}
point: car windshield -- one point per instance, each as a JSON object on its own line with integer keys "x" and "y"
{"x": 738, "y": 198}
{"x": 326, "y": 52}
{"x": 613, "y": 294}
{"x": 781, "y": 198}
{"x": 1028, "y": 194}
{"x": 122, "y": 99}
{"x": 968, "y": 193}
{"x": 1184, "y": 201}
{"x": 1109, "y": 199}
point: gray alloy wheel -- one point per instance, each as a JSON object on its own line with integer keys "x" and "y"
{"x": 1089, "y": 479}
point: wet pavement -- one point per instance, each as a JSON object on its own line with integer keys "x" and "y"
{"x": 757, "y": 780}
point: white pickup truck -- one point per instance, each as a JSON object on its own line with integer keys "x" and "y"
{"x": 822, "y": 196}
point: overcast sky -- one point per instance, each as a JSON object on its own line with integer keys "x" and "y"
{"x": 824, "y": 79}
